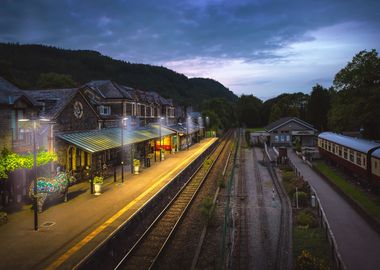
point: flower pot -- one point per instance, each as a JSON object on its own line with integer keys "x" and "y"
{"x": 97, "y": 189}
{"x": 136, "y": 169}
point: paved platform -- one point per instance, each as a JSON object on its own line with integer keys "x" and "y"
{"x": 85, "y": 220}
{"x": 358, "y": 243}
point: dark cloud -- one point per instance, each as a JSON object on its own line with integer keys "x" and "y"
{"x": 154, "y": 31}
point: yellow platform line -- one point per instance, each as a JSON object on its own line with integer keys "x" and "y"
{"x": 102, "y": 227}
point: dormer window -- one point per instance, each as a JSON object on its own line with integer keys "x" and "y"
{"x": 104, "y": 110}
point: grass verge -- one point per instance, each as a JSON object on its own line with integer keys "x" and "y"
{"x": 369, "y": 205}
{"x": 312, "y": 240}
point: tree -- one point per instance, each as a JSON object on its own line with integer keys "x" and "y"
{"x": 318, "y": 107}
{"x": 249, "y": 110}
{"x": 356, "y": 103}
{"x": 54, "y": 80}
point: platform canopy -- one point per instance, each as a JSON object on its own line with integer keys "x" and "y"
{"x": 99, "y": 140}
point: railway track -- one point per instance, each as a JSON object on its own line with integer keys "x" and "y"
{"x": 283, "y": 251}
{"x": 241, "y": 251}
{"x": 146, "y": 251}
{"x": 264, "y": 225}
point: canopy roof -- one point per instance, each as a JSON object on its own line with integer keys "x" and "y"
{"x": 99, "y": 140}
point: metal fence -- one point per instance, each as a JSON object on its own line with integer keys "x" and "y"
{"x": 108, "y": 253}
{"x": 324, "y": 224}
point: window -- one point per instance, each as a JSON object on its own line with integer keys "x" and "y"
{"x": 364, "y": 161}
{"x": 104, "y": 110}
{"x": 287, "y": 138}
{"x": 276, "y": 138}
{"x": 358, "y": 159}
{"x": 375, "y": 164}
{"x": 340, "y": 150}
{"x": 345, "y": 153}
{"x": 351, "y": 156}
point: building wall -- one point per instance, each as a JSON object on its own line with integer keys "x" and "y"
{"x": 5, "y": 128}
{"x": 66, "y": 120}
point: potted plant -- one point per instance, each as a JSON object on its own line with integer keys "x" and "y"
{"x": 136, "y": 166}
{"x": 162, "y": 154}
{"x": 98, "y": 182}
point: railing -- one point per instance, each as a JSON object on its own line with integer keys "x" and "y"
{"x": 323, "y": 222}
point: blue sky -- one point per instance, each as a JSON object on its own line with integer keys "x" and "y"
{"x": 260, "y": 47}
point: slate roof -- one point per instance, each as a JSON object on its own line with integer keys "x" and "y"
{"x": 282, "y": 121}
{"x": 353, "y": 143}
{"x": 55, "y": 100}
{"x": 108, "y": 89}
{"x": 9, "y": 93}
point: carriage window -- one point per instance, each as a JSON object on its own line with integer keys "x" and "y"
{"x": 364, "y": 161}
{"x": 351, "y": 156}
{"x": 340, "y": 150}
{"x": 359, "y": 159}
{"x": 345, "y": 153}
{"x": 375, "y": 164}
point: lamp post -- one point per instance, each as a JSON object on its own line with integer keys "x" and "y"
{"x": 187, "y": 131}
{"x": 206, "y": 124}
{"x": 35, "y": 210}
{"x": 122, "y": 147}
{"x": 161, "y": 118}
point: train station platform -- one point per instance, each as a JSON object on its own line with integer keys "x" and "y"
{"x": 358, "y": 243}
{"x": 69, "y": 231}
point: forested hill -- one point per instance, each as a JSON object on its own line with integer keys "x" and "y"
{"x": 24, "y": 64}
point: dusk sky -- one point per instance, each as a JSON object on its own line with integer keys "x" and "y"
{"x": 259, "y": 47}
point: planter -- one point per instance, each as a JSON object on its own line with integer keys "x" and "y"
{"x": 136, "y": 169}
{"x": 97, "y": 189}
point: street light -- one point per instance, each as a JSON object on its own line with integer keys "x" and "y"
{"x": 161, "y": 118}
{"x": 187, "y": 131}
{"x": 35, "y": 210}
{"x": 206, "y": 124}
{"x": 123, "y": 121}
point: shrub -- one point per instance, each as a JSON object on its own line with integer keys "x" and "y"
{"x": 306, "y": 261}
{"x": 287, "y": 176}
{"x": 306, "y": 218}
{"x": 207, "y": 209}
{"x": 302, "y": 198}
{"x": 98, "y": 180}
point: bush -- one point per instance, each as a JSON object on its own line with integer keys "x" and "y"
{"x": 306, "y": 218}
{"x": 306, "y": 261}
{"x": 287, "y": 176}
{"x": 98, "y": 180}
{"x": 303, "y": 198}
{"x": 207, "y": 209}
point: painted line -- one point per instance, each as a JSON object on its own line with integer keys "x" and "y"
{"x": 94, "y": 233}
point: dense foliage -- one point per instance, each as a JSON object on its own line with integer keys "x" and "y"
{"x": 10, "y": 161}
{"x": 25, "y": 66}
{"x": 221, "y": 113}
{"x": 355, "y": 105}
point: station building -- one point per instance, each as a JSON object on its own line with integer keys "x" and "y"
{"x": 86, "y": 130}
{"x": 286, "y": 131}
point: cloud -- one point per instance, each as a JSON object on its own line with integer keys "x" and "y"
{"x": 258, "y": 42}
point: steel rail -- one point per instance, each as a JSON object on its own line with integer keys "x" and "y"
{"x": 177, "y": 207}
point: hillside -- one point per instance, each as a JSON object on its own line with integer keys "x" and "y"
{"x": 23, "y": 64}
